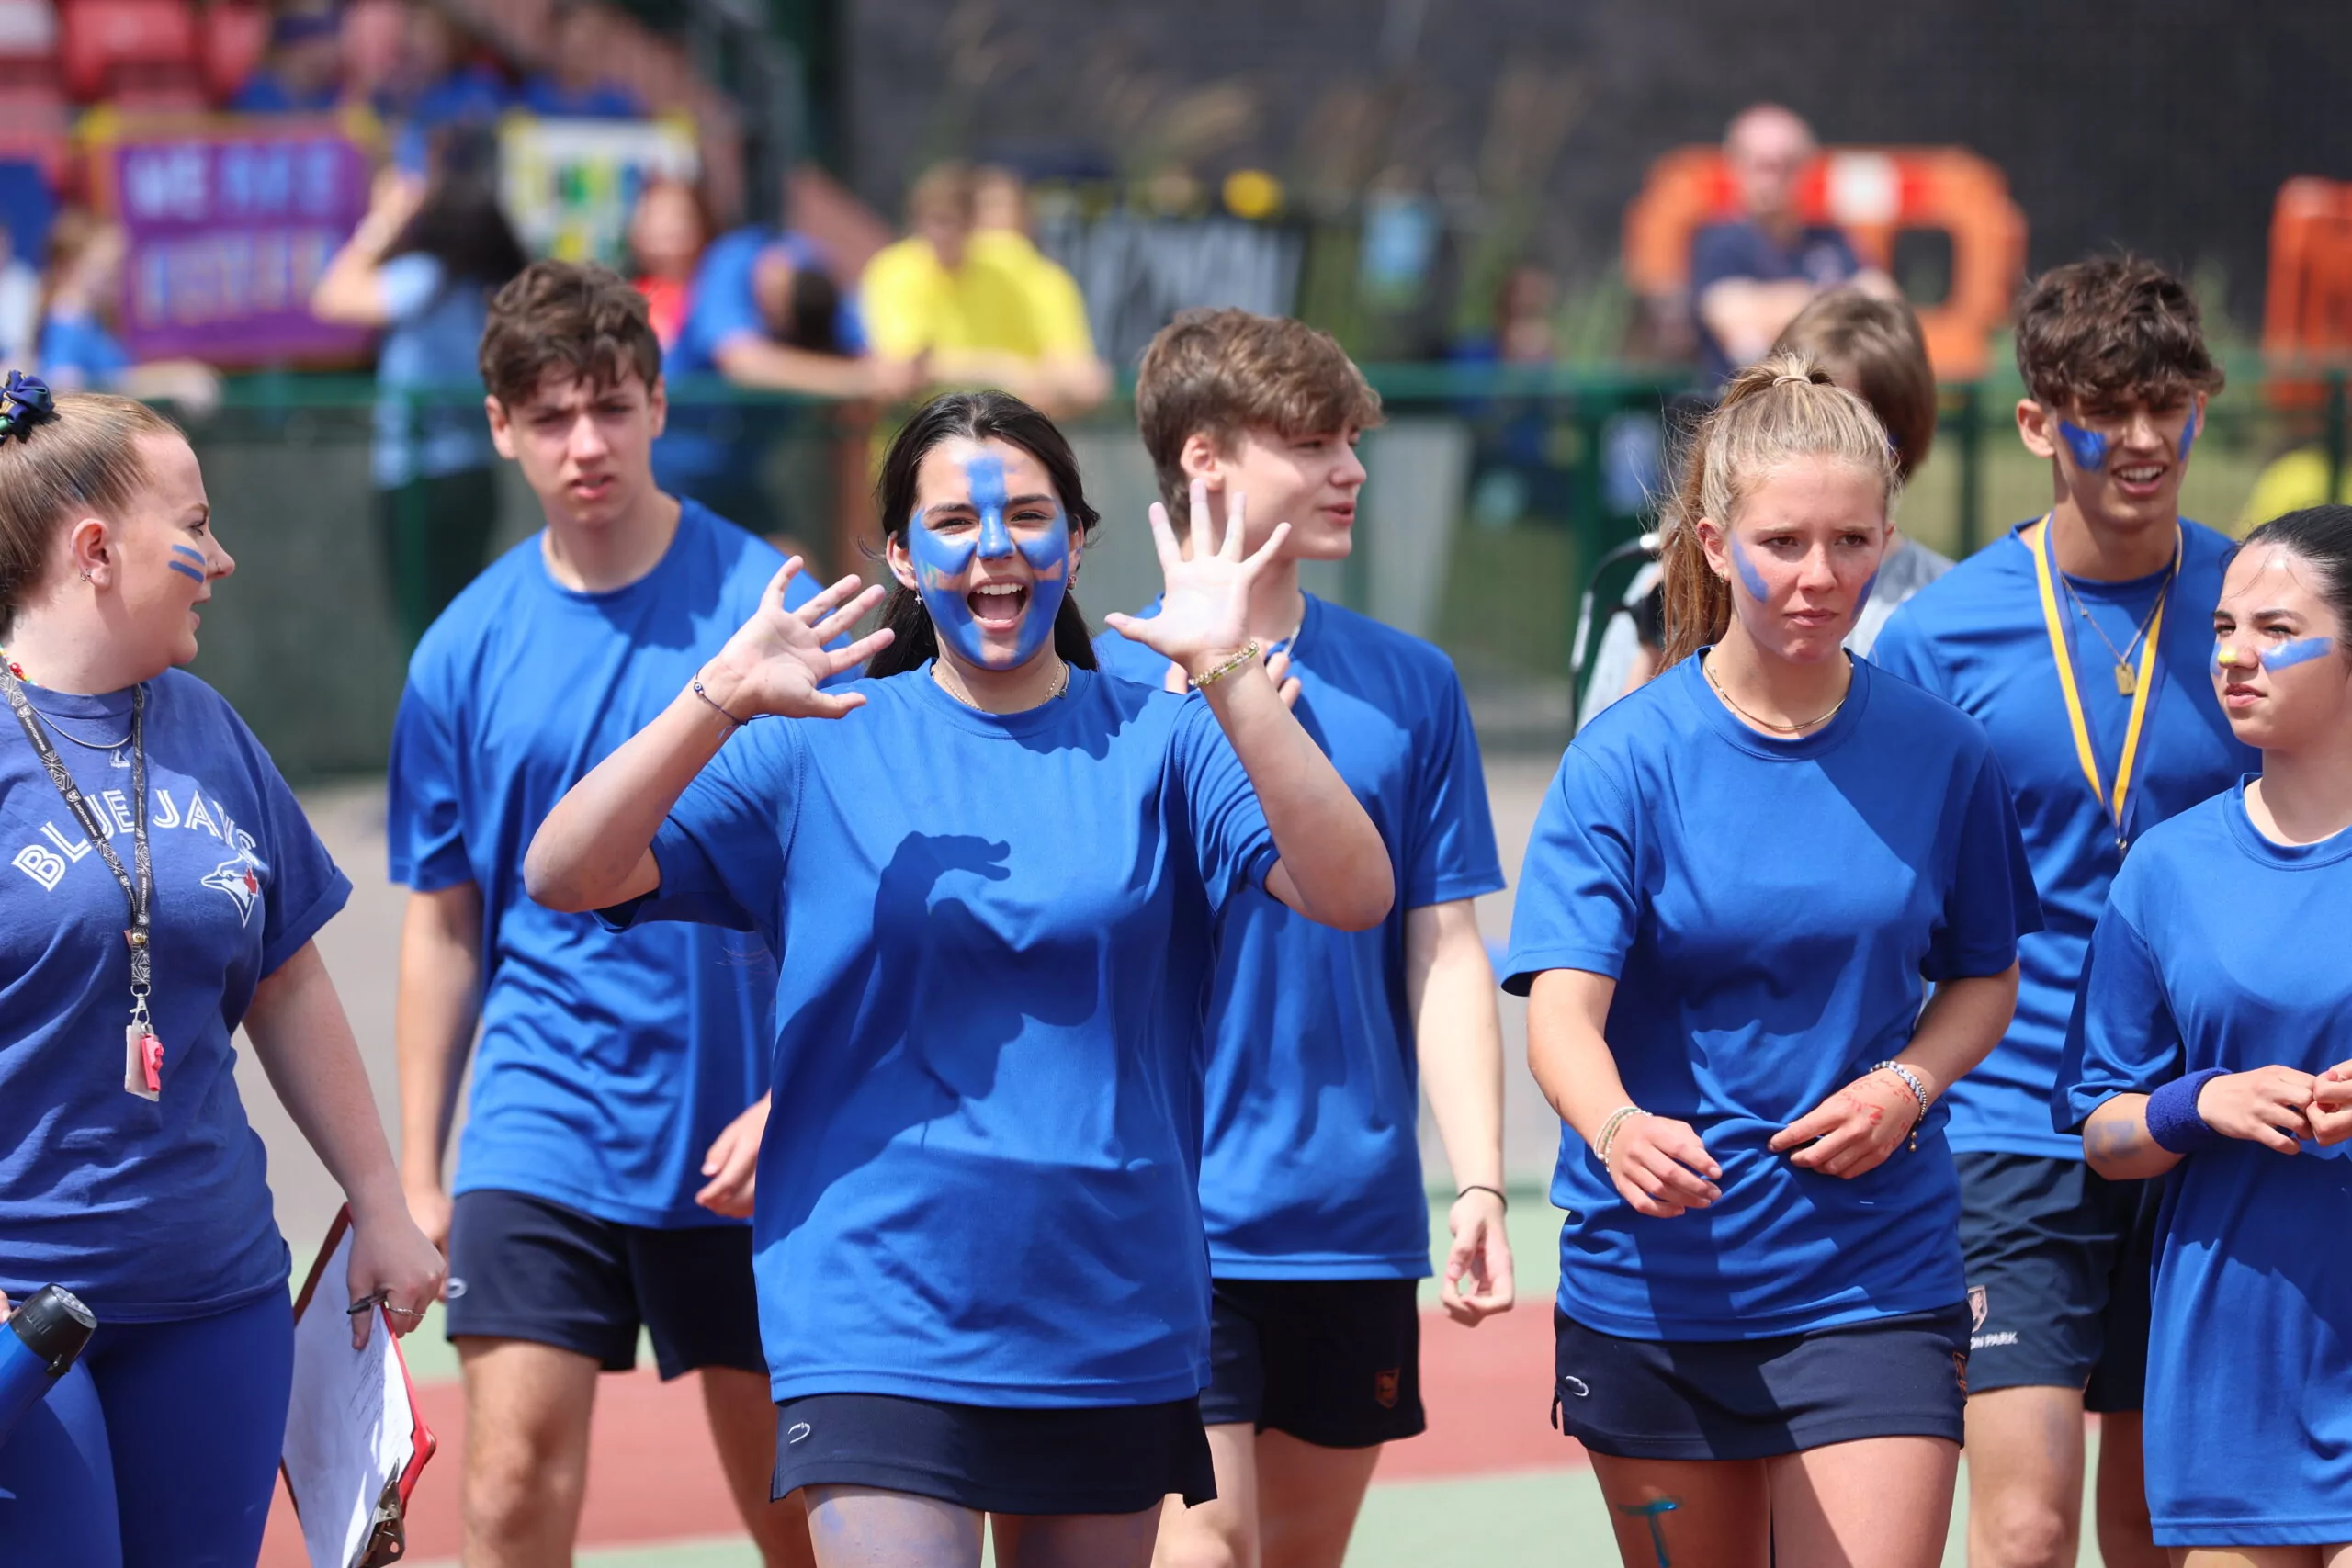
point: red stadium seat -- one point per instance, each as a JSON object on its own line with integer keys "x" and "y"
{"x": 138, "y": 52}
{"x": 28, "y": 44}
{"x": 34, "y": 125}
{"x": 236, "y": 37}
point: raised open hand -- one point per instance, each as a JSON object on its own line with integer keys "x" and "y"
{"x": 1204, "y": 610}
{"x": 777, "y": 661}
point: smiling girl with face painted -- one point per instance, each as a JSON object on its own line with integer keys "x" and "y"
{"x": 1739, "y": 888}
{"x": 2210, "y": 1043}
{"x": 992, "y": 877}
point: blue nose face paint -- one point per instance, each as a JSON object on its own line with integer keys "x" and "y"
{"x": 2088, "y": 446}
{"x": 942, "y": 564}
{"x": 183, "y": 568}
{"x": 1749, "y": 578}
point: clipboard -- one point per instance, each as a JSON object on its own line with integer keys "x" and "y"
{"x": 386, "y": 1537}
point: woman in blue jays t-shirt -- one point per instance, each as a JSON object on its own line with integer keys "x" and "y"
{"x": 991, "y": 878}
{"x": 1744, "y": 879}
{"x": 159, "y": 888}
{"x": 2209, "y": 1042}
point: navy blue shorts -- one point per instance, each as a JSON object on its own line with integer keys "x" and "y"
{"x": 1335, "y": 1363}
{"x": 2058, "y": 1261}
{"x": 1098, "y": 1460}
{"x": 521, "y": 1267}
{"x": 1744, "y": 1399}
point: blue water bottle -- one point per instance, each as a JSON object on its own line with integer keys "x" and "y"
{"x": 37, "y": 1343}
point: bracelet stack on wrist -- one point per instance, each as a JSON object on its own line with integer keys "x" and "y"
{"x": 1911, "y": 1081}
{"x": 1249, "y": 650}
{"x": 2173, "y": 1120}
{"x": 1607, "y": 1140}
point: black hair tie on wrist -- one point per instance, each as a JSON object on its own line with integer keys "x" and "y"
{"x": 1500, "y": 1196}
{"x": 24, "y": 401}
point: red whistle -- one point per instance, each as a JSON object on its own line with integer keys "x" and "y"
{"x": 150, "y": 1060}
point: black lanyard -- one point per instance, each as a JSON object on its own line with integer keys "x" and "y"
{"x": 141, "y": 892}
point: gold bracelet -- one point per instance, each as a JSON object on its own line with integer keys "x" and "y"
{"x": 1607, "y": 1141}
{"x": 1249, "y": 650}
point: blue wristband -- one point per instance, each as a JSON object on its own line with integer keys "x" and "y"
{"x": 2172, "y": 1121}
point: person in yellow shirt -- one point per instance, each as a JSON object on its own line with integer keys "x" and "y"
{"x": 981, "y": 305}
{"x": 2290, "y": 482}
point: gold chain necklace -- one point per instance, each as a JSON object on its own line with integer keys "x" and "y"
{"x": 939, "y": 678}
{"x": 1712, "y": 680}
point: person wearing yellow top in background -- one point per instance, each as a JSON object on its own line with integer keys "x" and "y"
{"x": 2292, "y": 481}
{"x": 979, "y": 304}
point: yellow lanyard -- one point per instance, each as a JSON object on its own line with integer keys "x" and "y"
{"x": 2062, "y": 651}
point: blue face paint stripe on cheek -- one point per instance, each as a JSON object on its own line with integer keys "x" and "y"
{"x": 186, "y": 571}
{"x": 190, "y": 551}
{"x": 1750, "y": 579}
{"x": 2301, "y": 651}
{"x": 2088, "y": 446}
{"x": 2188, "y": 438}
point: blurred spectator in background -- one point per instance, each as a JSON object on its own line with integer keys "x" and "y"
{"x": 19, "y": 306}
{"x": 763, "y": 312}
{"x": 302, "y": 72}
{"x": 1005, "y": 232}
{"x": 1524, "y": 332}
{"x": 1872, "y": 346}
{"x": 1751, "y": 275}
{"x": 667, "y": 235}
{"x": 78, "y": 350}
{"x": 441, "y": 85}
{"x": 979, "y": 315}
{"x": 575, "y": 84}
{"x": 422, "y": 266}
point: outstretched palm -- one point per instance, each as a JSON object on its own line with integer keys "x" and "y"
{"x": 777, "y": 661}
{"x": 1205, "y": 608}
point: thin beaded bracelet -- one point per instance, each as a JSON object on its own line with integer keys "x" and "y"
{"x": 1249, "y": 650}
{"x": 1609, "y": 1131}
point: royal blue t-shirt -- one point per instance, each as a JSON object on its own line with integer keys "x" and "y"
{"x": 147, "y": 1211}
{"x": 608, "y": 1061}
{"x": 2219, "y": 948}
{"x": 996, "y": 933}
{"x": 1819, "y": 254}
{"x": 1769, "y": 909}
{"x": 78, "y": 354}
{"x": 1310, "y": 1165}
{"x": 544, "y": 94}
{"x": 1975, "y": 638}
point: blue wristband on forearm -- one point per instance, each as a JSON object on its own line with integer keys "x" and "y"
{"x": 2172, "y": 1121}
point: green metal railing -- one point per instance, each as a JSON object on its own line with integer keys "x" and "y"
{"x": 1495, "y": 491}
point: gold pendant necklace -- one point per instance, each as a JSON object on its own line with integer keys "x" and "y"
{"x": 939, "y": 678}
{"x": 1765, "y": 724}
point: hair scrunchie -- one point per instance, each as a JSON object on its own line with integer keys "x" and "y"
{"x": 24, "y": 401}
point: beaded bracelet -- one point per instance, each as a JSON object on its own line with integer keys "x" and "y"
{"x": 1611, "y": 1128}
{"x": 1249, "y": 650}
{"x": 1911, "y": 1081}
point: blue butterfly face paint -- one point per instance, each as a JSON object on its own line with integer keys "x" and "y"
{"x": 942, "y": 563}
{"x": 1749, "y": 578}
{"x": 2088, "y": 446}
{"x": 192, "y": 565}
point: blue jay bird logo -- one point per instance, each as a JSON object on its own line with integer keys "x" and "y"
{"x": 241, "y": 880}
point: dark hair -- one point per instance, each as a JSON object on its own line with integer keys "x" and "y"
{"x": 461, "y": 226}
{"x": 975, "y": 416}
{"x": 2321, "y": 535}
{"x": 1876, "y": 344}
{"x": 812, "y": 312}
{"x": 2112, "y": 331}
{"x": 1774, "y": 412}
{"x": 1226, "y": 373}
{"x": 567, "y": 318}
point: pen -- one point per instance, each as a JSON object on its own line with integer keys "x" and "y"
{"x": 365, "y": 1302}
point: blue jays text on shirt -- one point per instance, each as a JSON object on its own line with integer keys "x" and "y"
{"x": 47, "y": 859}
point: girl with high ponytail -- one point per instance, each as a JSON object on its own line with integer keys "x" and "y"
{"x": 1745, "y": 878}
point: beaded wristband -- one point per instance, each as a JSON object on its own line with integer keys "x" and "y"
{"x": 1249, "y": 650}
{"x": 2172, "y": 1121}
{"x": 1611, "y": 1128}
{"x": 1911, "y": 1081}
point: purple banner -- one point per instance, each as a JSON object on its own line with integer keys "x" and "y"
{"x": 230, "y": 222}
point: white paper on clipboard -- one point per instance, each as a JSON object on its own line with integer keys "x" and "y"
{"x": 350, "y": 1430}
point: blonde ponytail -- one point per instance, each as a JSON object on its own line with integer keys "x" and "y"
{"x": 1783, "y": 408}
